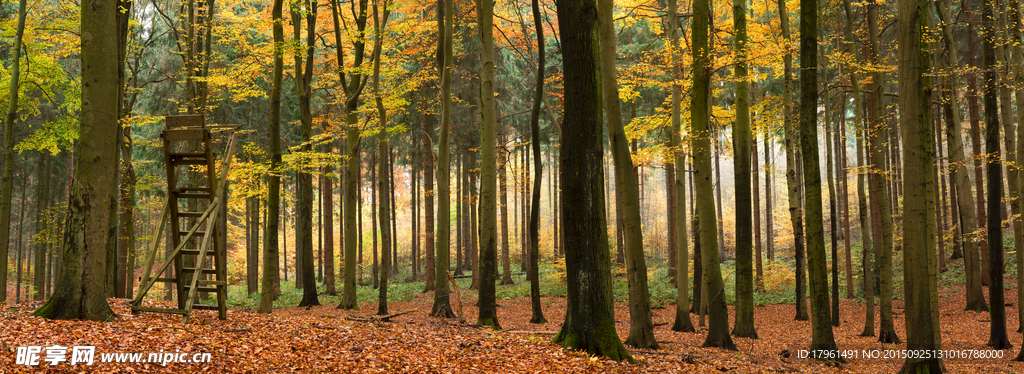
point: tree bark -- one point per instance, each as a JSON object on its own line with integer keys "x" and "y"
{"x": 590, "y": 317}
{"x": 93, "y": 198}
{"x": 641, "y": 330}
{"x": 442, "y": 307}
{"x": 792, "y": 175}
{"x": 682, "y": 320}
{"x": 921, "y": 296}
{"x": 741, "y": 135}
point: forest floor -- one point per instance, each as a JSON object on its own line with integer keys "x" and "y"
{"x": 325, "y": 339}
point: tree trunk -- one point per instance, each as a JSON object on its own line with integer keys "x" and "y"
{"x": 994, "y": 174}
{"x": 821, "y": 331}
{"x": 756, "y": 184}
{"x": 383, "y": 176}
{"x": 718, "y": 329}
{"x": 741, "y": 135}
{"x": 792, "y": 177}
{"x": 442, "y": 307}
{"x": 93, "y": 198}
{"x": 887, "y": 333}
{"x": 921, "y": 296}
{"x": 590, "y": 316}
{"x": 305, "y": 274}
{"x": 682, "y": 320}
{"x": 271, "y": 277}
{"x": 428, "y": 204}
{"x": 829, "y": 172}
{"x": 537, "y": 315}
{"x": 961, "y": 176}
{"x": 769, "y": 225}
{"x": 506, "y": 262}
{"x": 641, "y": 330}
{"x": 8, "y": 165}
{"x": 486, "y": 268}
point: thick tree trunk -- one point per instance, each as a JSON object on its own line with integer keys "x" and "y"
{"x": 486, "y": 268}
{"x": 921, "y": 296}
{"x": 590, "y": 317}
{"x": 8, "y": 165}
{"x": 93, "y": 198}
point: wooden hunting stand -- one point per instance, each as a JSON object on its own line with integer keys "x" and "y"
{"x": 189, "y": 158}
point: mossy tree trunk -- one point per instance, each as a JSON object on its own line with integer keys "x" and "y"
{"x": 590, "y": 316}
{"x": 442, "y": 306}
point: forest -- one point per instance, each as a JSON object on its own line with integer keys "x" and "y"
{"x": 519, "y": 185}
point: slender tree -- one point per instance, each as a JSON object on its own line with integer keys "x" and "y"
{"x": 271, "y": 280}
{"x": 700, "y": 121}
{"x": 994, "y": 175}
{"x": 8, "y": 165}
{"x": 383, "y": 176}
{"x": 960, "y": 174}
{"x": 880, "y": 133}
{"x": 353, "y": 86}
{"x": 682, "y": 321}
{"x": 821, "y": 329}
{"x": 792, "y": 171}
{"x": 641, "y": 329}
{"x": 442, "y": 306}
{"x": 537, "y": 315}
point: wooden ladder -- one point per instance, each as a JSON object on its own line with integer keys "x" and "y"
{"x": 189, "y": 159}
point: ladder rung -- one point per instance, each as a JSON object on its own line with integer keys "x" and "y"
{"x": 205, "y": 271}
{"x": 193, "y": 195}
{"x": 199, "y": 233}
{"x": 205, "y": 307}
{"x": 191, "y": 252}
{"x": 188, "y": 154}
{"x": 190, "y": 214}
{"x": 175, "y": 280}
{"x": 189, "y": 189}
{"x": 189, "y": 161}
{"x": 158, "y": 310}
{"x": 203, "y": 288}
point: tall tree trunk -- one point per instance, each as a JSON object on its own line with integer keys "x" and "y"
{"x": 887, "y": 333}
{"x": 93, "y": 198}
{"x": 352, "y": 220}
{"x": 304, "y": 179}
{"x": 769, "y": 223}
{"x": 590, "y": 317}
{"x": 792, "y": 176}
{"x": 383, "y": 176}
{"x": 537, "y": 314}
{"x": 641, "y": 329}
{"x": 1014, "y": 22}
{"x": 682, "y": 320}
{"x": 756, "y": 184}
{"x": 833, "y": 230}
{"x": 712, "y": 289}
{"x": 921, "y": 296}
{"x": 428, "y": 203}
{"x": 486, "y": 267}
{"x": 506, "y": 262}
{"x": 821, "y": 331}
{"x": 741, "y": 135}
{"x": 979, "y": 179}
{"x": 994, "y": 174}
{"x": 442, "y": 307}
{"x": 8, "y": 164}
{"x": 960, "y": 174}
